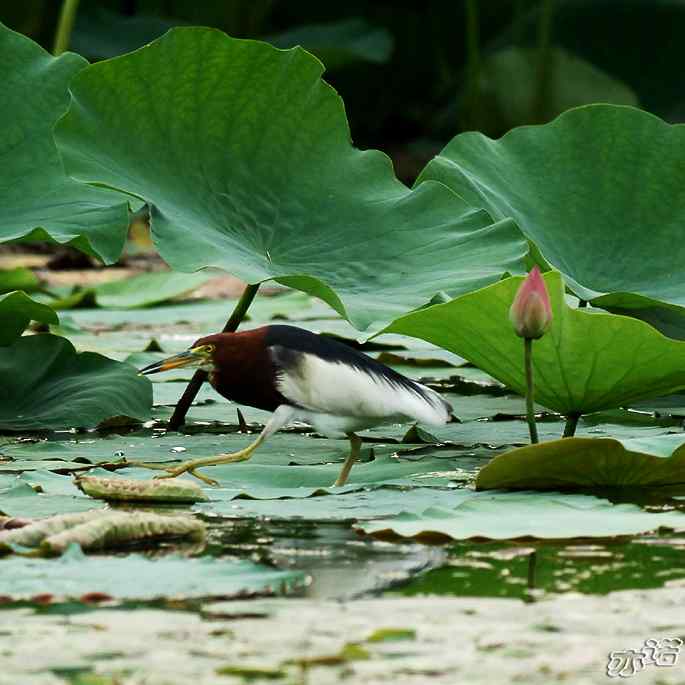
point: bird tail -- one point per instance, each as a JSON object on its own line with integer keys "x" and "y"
{"x": 439, "y": 410}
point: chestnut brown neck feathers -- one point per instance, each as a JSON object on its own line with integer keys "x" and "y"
{"x": 244, "y": 371}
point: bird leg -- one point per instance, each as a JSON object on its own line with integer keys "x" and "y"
{"x": 355, "y": 448}
{"x": 278, "y": 419}
{"x": 193, "y": 464}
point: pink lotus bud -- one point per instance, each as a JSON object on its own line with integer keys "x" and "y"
{"x": 531, "y": 310}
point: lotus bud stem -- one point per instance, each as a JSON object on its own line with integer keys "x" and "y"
{"x": 531, "y": 315}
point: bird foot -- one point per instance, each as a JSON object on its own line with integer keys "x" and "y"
{"x": 173, "y": 471}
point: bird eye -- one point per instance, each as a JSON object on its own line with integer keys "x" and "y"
{"x": 209, "y": 348}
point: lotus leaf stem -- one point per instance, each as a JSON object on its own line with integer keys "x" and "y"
{"x": 571, "y": 425}
{"x": 530, "y": 410}
{"x": 200, "y": 376}
{"x": 65, "y": 25}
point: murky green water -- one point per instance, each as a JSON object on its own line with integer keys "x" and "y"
{"x": 342, "y": 564}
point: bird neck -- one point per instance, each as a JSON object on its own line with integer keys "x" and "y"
{"x": 244, "y": 371}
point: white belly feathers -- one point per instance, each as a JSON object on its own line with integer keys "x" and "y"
{"x": 338, "y": 389}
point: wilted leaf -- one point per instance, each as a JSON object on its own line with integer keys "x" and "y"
{"x": 112, "y": 529}
{"x": 129, "y": 490}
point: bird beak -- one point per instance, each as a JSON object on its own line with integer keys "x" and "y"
{"x": 188, "y": 358}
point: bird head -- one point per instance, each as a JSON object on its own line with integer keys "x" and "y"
{"x": 201, "y": 355}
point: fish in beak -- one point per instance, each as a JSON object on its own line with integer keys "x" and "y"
{"x": 193, "y": 357}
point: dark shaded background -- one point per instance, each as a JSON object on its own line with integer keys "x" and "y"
{"x": 413, "y": 74}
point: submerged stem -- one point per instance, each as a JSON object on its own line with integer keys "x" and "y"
{"x": 67, "y": 16}
{"x": 200, "y": 376}
{"x": 530, "y": 411}
{"x": 571, "y": 425}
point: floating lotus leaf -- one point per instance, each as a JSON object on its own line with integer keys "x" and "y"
{"x": 38, "y": 199}
{"x": 587, "y": 462}
{"x": 135, "y": 292}
{"x": 48, "y": 385}
{"x": 288, "y": 465}
{"x": 503, "y": 516}
{"x": 350, "y": 506}
{"x": 290, "y": 305}
{"x": 137, "y": 577}
{"x": 245, "y": 155}
{"x": 588, "y": 360}
{"x": 598, "y": 191}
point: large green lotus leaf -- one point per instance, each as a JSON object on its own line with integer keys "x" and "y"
{"x": 503, "y": 516}
{"x": 136, "y": 577}
{"x": 598, "y": 191}
{"x": 46, "y": 384}
{"x": 245, "y": 155}
{"x": 583, "y": 462}
{"x": 17, "y": 310}
{"x": 38, "y": 199}
{"x": 587, "y": 361}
